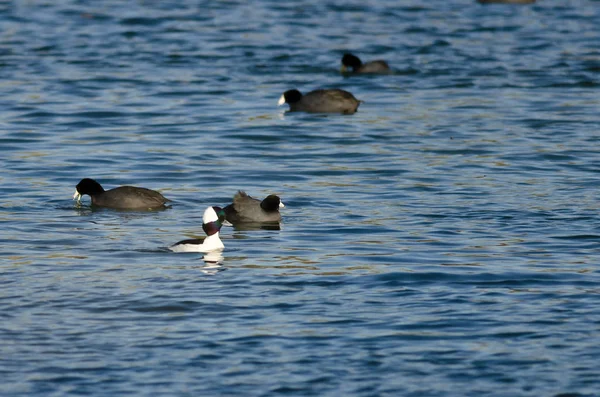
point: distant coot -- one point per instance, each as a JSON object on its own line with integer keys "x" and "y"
{"x": 247, "y": 209}
{"x": 212, "y": 220}
{"x": 354, "y": 63}
{"x": 320, "y": 101}
{"x": 124, "y": 197}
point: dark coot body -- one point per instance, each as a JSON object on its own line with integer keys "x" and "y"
{"x": 321, "y": 101}
{"x": 247, "y": 209}
{"x": 354, "y": 63}
{"x": 124, "y": 197}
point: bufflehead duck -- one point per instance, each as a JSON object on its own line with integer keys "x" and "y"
{"x": 212, "y": 220}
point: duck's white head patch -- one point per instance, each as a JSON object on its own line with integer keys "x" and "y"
{"x": 209, "y": 215}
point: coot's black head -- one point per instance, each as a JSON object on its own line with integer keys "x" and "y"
{"x": 212, "y": 220}
{"x": 290, "y": 96}
{"x": 88, "y": 186}
{"x": 271, "y": 203}
{"x": 351, "y": 61}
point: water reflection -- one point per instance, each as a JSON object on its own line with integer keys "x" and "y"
{"x": 213, "y": 257}
{"x": 256, "y": 226}
{"x": 213, "y": 262}
{"x": 78, "y": 205}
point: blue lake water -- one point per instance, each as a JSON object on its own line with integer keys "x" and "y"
{"x": 443, "y": 241}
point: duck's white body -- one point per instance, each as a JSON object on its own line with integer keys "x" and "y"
{"x": 211, "y": 223}
{"x": 210, "y": 243}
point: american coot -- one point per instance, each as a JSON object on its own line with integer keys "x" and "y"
{"x": 320, "y": 101}
{"x": 247, "y": 209}
{"x": 124, "y": 197}
{"x": 212, "y": 220}
{"x": 350, "y": 61}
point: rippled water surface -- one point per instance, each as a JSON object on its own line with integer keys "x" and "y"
{"x": 444, "y": 240}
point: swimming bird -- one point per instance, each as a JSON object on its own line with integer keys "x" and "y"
{"x": 320, "y": 101}
{"x": 248, "y": 209}
{"x": 123, "y": 197}
{"x": 350, "y": 61}
{"x": 212, "y": 220}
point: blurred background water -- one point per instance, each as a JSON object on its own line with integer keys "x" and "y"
{"x": 444, "y": 240}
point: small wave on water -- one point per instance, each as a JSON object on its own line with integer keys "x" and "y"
{"x": 441, "y": 241}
